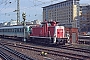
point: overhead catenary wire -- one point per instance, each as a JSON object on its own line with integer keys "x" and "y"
{"x": 3, "y": 2}
{"x": 5, "y": 7}
{"x": 35, "y": 4}
{"x": 38, "y": 3}
{"x": 6, "y": 2}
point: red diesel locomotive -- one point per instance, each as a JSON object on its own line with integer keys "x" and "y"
{"x": 48, "y": 33}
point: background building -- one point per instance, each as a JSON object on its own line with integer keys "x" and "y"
{"x": 36, "y": 22}
{"x": 66, "y": 12}
{"x": 4, "y": 24}
{"x": 11, "y": 23}
{"x": 14, "y": 22}
{"x": 85, "y": 18}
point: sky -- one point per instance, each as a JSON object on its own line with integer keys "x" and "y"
{"x": 32, "y": 8}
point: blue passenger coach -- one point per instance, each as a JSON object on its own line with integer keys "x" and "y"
{"x": 15, "y": 31}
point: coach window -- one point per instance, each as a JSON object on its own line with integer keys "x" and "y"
{"x": 25, "y": 28}
{"x": 30, "y": 30}
{"x": 22, "y": 30}
{"x": 0, "y": 30}
{"x": 15, "y": 30}
{"x": 9, "y": 30}
{"x": 6, "y": 30}
{"x": 19, "y": 30}
{"x": 12, "y": 30}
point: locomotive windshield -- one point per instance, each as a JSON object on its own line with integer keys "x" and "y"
{"x": 30, "y": 30}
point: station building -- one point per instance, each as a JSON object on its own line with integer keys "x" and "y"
{"x": 66, "y": 12}
{"x": 85, "y": 18}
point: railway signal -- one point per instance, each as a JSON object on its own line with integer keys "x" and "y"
{"x": 24, "y": 18}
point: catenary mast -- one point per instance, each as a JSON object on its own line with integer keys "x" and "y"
{"x": 18, "y": 12}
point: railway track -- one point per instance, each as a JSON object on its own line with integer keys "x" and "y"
{"x": 5, "y": 56}
{"x": 75, "y": 49}
{"x": 4, "y": 50}
{"x": 84, "y": 41}
{"x": 51, "y": 52}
